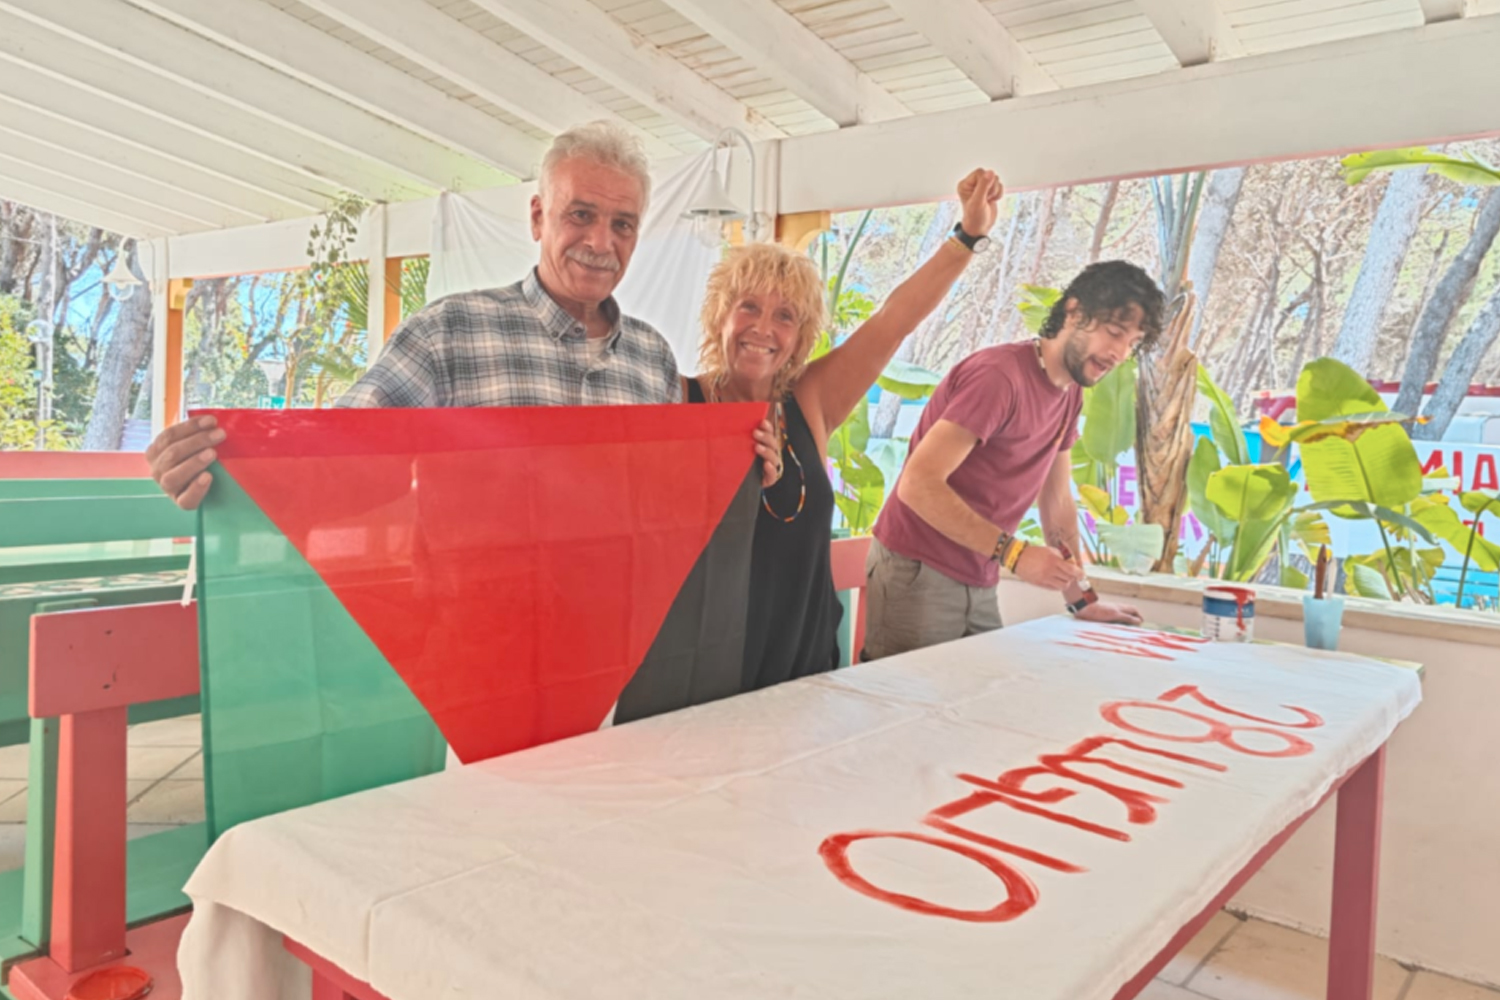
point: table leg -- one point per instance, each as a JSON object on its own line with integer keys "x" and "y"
{"x": 324, "y": 988}
{"x": 1356, "y": 878}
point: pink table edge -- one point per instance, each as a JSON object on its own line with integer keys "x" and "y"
{"x": 1351, "y": 947}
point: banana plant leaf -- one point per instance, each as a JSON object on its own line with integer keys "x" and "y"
{"x": 1036, "y": 305}
{"x": 1373, "y": 462}
{"x": 1109, "y": 415}
{"x": 852, "y": 436}
{"x": 1095, "y": 501}
{"x": 907, "y": 380}
{"x": 1257, "y": 498}
{"x": 1475, "y": 501}
{"x": 1443, "y": 521}
{"x": 1468, "y": 172}
{"x": 1136, "y": 547}
{"x": 1223, "y": 421}
{"x": 1362, "y": 581}
{"x": 1203, "y": 464}
{"x": 1086, "y": 471}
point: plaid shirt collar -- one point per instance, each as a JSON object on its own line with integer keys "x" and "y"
{"x": 556, "y": 320}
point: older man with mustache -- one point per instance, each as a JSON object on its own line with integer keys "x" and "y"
{"x": 555, "y": 338}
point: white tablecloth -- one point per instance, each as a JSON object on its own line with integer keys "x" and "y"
{"x": 679, "y": 857}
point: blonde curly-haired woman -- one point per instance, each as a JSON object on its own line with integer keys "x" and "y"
{"x": 761, "y": 316}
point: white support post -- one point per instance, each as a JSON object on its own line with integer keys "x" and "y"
{"x": 375, "y": 246}
{"x": 160, "y": 281}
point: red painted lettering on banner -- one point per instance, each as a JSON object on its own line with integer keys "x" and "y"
{"x": 1143, "y": 643}
{"x": 1310, "y": 720}
{"x": 942, "y": 817}
{"x": 1020, "y": 806}
{"x": 1138, "y": 651}
{"x": 1009, "y": 788}
{"x": 1020, "y": 891}
{"x": 1217, "y": 732}
{"x": 1138, "y": 804}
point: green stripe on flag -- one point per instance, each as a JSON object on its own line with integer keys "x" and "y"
{"x": 299, "y": 705}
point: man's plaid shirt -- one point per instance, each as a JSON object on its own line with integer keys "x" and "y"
{"x": 515, "y": 346}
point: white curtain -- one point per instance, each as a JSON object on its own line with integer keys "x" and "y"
{"x": 665, "y": 282}
{"x": 473, "y": 247}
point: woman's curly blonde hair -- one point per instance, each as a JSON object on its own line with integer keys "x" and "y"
{"x": 757, "y": 268}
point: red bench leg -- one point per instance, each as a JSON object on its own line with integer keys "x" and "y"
{"x": 1356, "y": 879}
{"x": 88, "y": 893}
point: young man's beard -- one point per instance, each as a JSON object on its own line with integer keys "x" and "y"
{"x": 1076, "y": 360}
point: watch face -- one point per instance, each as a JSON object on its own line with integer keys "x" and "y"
{"x": 982, "y": 244}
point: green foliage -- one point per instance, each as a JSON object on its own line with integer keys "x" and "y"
{"x": 1036, "y": 305}
{"x": 414, "y": 274}
{"x": 1466, "y": 171}
{"x": 907, "y": 380}
{"x": 1109, "y": 417}
{"x": 1203, "y": 465}
{"x": 18, "y": 386}
{"x": 1134, "y": 548}
{"x": 1360, "y": 464}
{"x": 1257, "y": 499}
{"x": 1476, "y": 548}
{"x": 862, "y": 478}
{"x": 1223, "y": 421}
{"x": 1246, "y": 509}
{"x": 328, "y": 348}
{"x": 861, "y": 490}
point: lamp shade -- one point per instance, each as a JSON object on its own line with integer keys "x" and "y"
{"x": 120, "y": 283}
{"x": 712, "y": 201}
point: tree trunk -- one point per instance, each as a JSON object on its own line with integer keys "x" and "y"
{"x": 1167, "y": 376}
{"x": 1395, "y": 224}
{"x": 1449, "y": 296}
{"x": 1101, "y": 225}
{"x": 1466, "y": 359}
{"x": 127, "y": 345}
{"x": 15, "y": 229}
{"x": 883, "y": 417}
{"x": 1219, "y": 201}
{"x": 1164, "y": 443}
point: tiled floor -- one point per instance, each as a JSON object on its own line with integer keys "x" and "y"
{"x": 1231, "y": 959}
{"x": 164, "y": 784}
{"x": 1238, "y": 959}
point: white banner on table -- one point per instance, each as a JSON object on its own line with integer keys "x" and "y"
{"x": 1029, "y": 814}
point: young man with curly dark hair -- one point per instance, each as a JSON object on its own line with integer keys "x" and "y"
{"x": 996, "y": 438}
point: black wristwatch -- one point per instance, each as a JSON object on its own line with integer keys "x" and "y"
{"x": 1089, "y": 597}
{"x": 975, "y": 244}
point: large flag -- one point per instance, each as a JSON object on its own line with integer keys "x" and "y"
{"x": 373, "y": 583}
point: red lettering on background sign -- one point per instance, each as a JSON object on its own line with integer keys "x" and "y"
{"x": 1434, "y": 461}
{"x": 1484, "y": 473}
{"x": 1008, "y": 789}
{"x": 1020, "y": 891}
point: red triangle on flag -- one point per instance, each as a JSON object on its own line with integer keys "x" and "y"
{"x": 512, "y": 565}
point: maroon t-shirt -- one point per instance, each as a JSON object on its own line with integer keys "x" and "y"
{"x": 1003, "y": 397}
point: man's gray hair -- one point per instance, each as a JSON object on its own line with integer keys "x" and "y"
{"x": 602, "y": 142}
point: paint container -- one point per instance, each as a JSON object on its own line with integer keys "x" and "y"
{"x": 1228, "y": 614}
